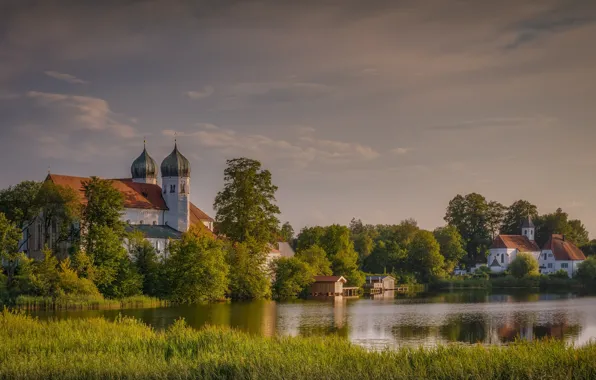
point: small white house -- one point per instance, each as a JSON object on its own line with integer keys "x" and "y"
{"x": 558, "y": 254}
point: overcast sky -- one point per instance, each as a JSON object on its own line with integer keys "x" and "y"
{"x": 381, "y": 110}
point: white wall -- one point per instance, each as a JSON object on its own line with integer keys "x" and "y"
{"x": 178, "y": 214}
{"x": 135, "y": 216}
{"x": 548, "y": 264}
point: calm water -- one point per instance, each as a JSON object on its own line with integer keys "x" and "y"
{"x": 388, "y": 322}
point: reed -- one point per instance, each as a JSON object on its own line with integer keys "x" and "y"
{"x": 72, "y": 302}
{"x": 126, "y": 348}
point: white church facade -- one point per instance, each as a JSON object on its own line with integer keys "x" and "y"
{"x": 161, "y": 212}
{"x": 557, "y": 254}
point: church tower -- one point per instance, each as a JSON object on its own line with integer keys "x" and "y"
{"x": 175, "y": 177}
{"x": 528, "y": 228}
{"x": 144, "y": 168}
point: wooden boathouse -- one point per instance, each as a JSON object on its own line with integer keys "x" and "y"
{"x": 329, "y": 286}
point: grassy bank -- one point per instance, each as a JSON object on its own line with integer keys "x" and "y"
{"x": 544, "y": 283}
{"x": 71, "y": 302}
{"x": 96, "y": 348}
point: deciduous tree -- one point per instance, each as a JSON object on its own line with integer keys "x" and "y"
{"x": 452, "y": 246}
{"x": 524, "y": 265}
{"x": 515, "y": 214}
{"x": 292, "y": 277}
{"x": 317, "y": 259}
{"x": 245, "y": 208}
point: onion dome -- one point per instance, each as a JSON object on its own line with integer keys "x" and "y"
{"x": 175, "y": 165}
{"x": 144, "y": 166}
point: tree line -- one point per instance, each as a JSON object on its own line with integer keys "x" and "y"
{"x": 105, "y": 258}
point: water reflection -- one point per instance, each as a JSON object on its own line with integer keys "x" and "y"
{"x": 384, "y": 321}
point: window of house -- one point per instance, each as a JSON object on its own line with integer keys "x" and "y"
{"x": 564, "y": 265}
{"x": 502, "y": 258}
{"x": 172, "y": 188}
{"x": 550, "y": 265}
{"x": 550, "y": 255}
{"x": 164, "y": 190}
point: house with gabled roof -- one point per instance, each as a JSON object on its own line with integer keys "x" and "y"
{"x": 560, "y": 254}
{"x": 505, "y": 248}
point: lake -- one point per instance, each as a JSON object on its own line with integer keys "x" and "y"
{"x": 389, "y": 322}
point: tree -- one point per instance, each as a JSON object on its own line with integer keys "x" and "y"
{"x": 104, "y": 207}
{"x": 20, "y": 205}
{"x": 363, "y": 238}
{"x": 470, "y": 214}
{"x": 494, "y": 217}
{"x": 248, "y": 278}
{"x": 197, "y": 270}
{"x": 245, "y": 208}
{"x": 317, "y": 259}
{"x": 524, "y": 265}
{"x": 146, "y": 262}
{"x": 287, "y": 232}
{"x": 452, "y": 246}
{"x": 424, "y": 257}
{"x": 586, "y": 272}
{"x": 9, "y": 246}
{"x": 517, "y": 212}
{"x": 59, "y": 208}
{"x": 335, "y": 241}
{"x": 292, "y": 277}
{"x": 559, "y": 223}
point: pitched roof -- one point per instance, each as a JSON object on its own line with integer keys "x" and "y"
{"x": 285, "y": 249}
{"x": 136, "y": 195}
{"x": 377, "y": 278}
{"x": 527, "y": 222}
{"x": 330, "y": 279}
{"x": 521, "y": 243}
{"x": 563, "y": 249}
{"x": 155, "y": 232}
{"x": 196, "y": 214}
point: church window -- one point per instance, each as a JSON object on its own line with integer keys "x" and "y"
{"x": 39, "y": 237}
{"x": 172, "y": 188}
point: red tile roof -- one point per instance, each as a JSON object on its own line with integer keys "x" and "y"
{"x": 521, "y": 243}
{"x": 136, "y": 195}
{"x": 330, "y": 279}
{"x": 563, "y": 249}
{"x": 196, "y": 214}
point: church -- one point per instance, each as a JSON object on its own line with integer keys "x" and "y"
{"x": 160, "y": 213}
{"x": 557, "y": 254}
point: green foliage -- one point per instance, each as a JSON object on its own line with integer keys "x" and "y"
{"x": 107, "y": 255}
{"x": 287, "y": 232}
{"x": 80, "y": 348}
{"x": 9, "y": 245}
{"x": 561, "y": 273}
{"x": 317, "y": 259}
{"x": 245, "y": 208}
{"x": 147, "y": 263}
{"x": 517, "y": 212}
{"x": 452, "y": 246}
{"x": 292, "y": 277}
{"x": 470, "y": 214}
{"x": 196, "y": 270}
{"x": 363, "y": 238}
{"x": 559, "y": 223}
{"x": 20, "y": 205}
{"x": 524, "y": 265}
{"x": 60, "y": 208}
{"x": 424, "y": 257}
{"x": 335, "y": 241}
{"x": 586, "y": 272}
{"x": 248, "y": 276}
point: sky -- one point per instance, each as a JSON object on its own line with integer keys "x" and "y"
{"x": 380, "y": 110}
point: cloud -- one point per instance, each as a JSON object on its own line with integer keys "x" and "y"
{"x": 206, "y": 92}
{"x": 400, "y": 151}
{"x": 300, "y": 153}
{"x": 498, "y": 123}
{"x": 65, "y": 77}
{"x": 76, "y": 112}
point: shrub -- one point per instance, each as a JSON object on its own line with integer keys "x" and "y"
{"x": 561, "y": 273}
{"x": 524, "y": 265}
{"x": 292, "y": 277}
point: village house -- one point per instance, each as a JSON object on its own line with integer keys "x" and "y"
{"x": 329, "y": 286}
{"x": 556, "y": 254}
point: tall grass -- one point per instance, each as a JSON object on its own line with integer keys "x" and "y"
{"x": 72, "y": 302}
{"x": 126, "y": 348}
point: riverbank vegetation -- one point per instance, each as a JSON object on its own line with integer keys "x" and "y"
{"x": 80, "y": 348}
